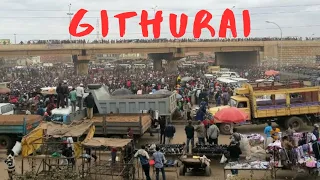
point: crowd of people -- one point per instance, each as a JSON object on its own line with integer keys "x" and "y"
{"x": 161, "y": 40}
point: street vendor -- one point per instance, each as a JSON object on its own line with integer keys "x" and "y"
{"x": 275, "y": 133}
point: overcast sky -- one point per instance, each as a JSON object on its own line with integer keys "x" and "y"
{"x": 48, "y": 19}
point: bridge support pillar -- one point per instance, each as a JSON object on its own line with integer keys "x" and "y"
{"x": 82, "y": 65}
{"x": 157, "y": 64}
{"x": 170, "y": 57}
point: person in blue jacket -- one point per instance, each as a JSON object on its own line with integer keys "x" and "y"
{"x": 267, "y": 132}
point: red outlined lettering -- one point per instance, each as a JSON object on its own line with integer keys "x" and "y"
{"x": 227, "y": 17}
{"x": 173, "y": 25}
{"x": 122, "y": 20}
{"x": 156, "y": 23}
{"x": 246, "y": 23}
{"x": 75, "y": 22}
{"x": 201, "y": 21}
{"x": 104, "y": 23}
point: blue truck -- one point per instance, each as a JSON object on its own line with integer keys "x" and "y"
{"x": 14, "y": 127}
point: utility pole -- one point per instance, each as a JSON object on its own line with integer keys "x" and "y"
{"x": 229, "y": 29}
{"x": 98, "y": 33}
{"x": 270, "y": 22}
{"x": 15, "y": 38}
{"x": 70, "y": 15}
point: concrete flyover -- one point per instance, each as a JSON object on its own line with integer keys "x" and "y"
{"x": 166, "y": 47}
{"x": 227, "y": 53}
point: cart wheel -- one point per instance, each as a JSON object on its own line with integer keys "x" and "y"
{"x": 182, "y": 170}
{"x": 208, "y": 171}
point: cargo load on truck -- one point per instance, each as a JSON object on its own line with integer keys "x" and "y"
{"x": 132, "y": 104}
{"x": 14, "y": 127}
{"x": 118, "y": 124}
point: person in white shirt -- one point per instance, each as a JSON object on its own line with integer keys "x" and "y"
{"x": 143, "y": 155}
{"x": 80, "y": 93}
{"x": 10, "y": 164}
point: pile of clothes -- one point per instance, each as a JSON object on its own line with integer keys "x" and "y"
{"x": 248, "y": 165}
{"x": 210, "y": 149}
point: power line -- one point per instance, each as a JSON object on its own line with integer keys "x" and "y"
{"x": 116, "y": 10}
{"x": 94, "y": 34}
{"x": 215, "y": 15}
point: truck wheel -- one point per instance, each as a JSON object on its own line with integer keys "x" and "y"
{"x": 208, "y": 171}
{"x": 5, "y": 142}
{"x": 225, "y": 128}
{"x": 295, "y": 121}
{"x": 182, "y": 170}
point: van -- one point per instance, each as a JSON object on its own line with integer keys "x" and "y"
{"x": 240, "y": 81}
{"x": 188, "y": 65}
{"x": 230, "y": 74}
{"x": 6, "y": 109}
{"x": 228, "y": 81}
{"x": 125, "y": 65}
{"x": 139, "y": 66}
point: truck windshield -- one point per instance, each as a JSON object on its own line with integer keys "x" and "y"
{"x": 233, "y": 103}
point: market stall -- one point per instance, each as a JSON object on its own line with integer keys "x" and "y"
{"x": 56, "y": 146}
{"x": 247, "y": 166}
{"x": 103, "y": 167}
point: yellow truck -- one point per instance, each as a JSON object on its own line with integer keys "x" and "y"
{"x": 284, "y": 106}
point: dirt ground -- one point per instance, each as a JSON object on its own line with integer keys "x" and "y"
{"x": 216, "y": 167}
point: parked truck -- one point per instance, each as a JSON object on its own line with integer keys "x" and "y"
{"x": 14, "y": 127}
{"x": 106, "y": 103}
{"x": 285, "y": 106}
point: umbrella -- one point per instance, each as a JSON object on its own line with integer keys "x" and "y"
{"x": 123, "y": 91}
{"x": 231, "y": 115}
{"x": 271, "y": 73}
{"x": 4, "y": 90}
{"x": 187, "y": 79}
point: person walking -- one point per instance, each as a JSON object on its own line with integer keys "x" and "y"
{"x": 169, "y": 132}
{"x": 187, "y": 108}
{"x": 162, "y": 123}
{"x": 189, "y": 130}
{"x": 90, "y": 104}
{"x": 213, "y": 134}
{"x": 201, "y": 133}
{"x": 143, "y": 155}
{"x": 159, "y": 161}
{"x": 73, "y": 99}
{"x": 80, "y": 94}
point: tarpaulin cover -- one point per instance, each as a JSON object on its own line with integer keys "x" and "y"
{"x": 76, "y": 129}
{"x": 106, "y": 142}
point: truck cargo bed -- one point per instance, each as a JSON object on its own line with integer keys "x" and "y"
{"x": 18, "y": 119}
{"x": 133, "y": 104}
{"x": 119, "y": 124}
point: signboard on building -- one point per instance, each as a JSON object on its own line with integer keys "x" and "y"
{"x": 4, "y": 41}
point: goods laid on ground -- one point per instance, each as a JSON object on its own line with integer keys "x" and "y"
{"x": 210, "y": 149}
{"x": 248, "y": 165}
{"x": 167, "y": 149}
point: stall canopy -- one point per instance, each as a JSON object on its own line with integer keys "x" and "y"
{"x": 76, "y": 129}
{"x": 106, "y": 142}
{"x": 34, "y": 140}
